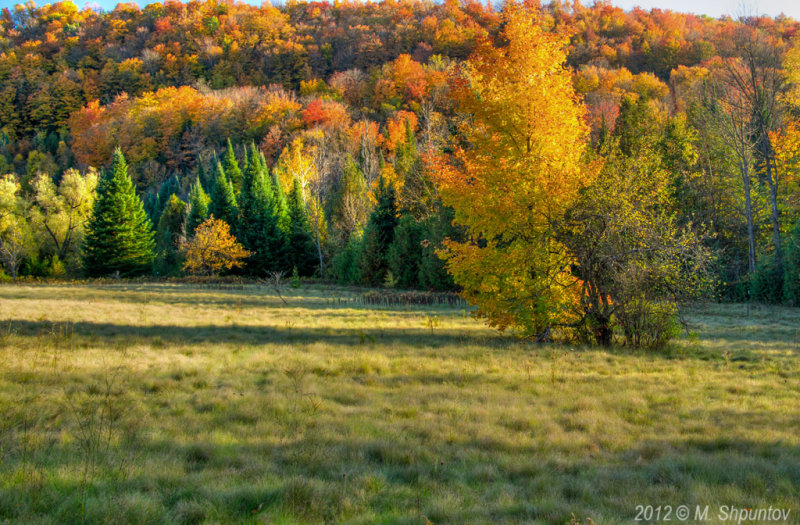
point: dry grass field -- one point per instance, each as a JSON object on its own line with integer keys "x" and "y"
{"x": 159, "y": 403}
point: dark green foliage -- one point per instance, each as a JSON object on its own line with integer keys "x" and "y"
{"x": 231, "y": 167}
{"x": 432, "y": 272}
{"x": 378, "y": 237}
{"x": 344, "y": 267}
{"x": 119, "y": 235}
{"x": 766, "y": 284}
{"x": 300, "y": 252}
{"x": 405, "y": 253}
{"x": 636, "y": 127}
{"x": 198, "y": 207}
{"x": 151, "y": 204}
{"x": 223, "y": 199}
{"x": 169, "y": 235}
{"x": 258, "y": 229}
{"x": 171, "y": 186}
{"x": 281, "y": 205}
{"x": 155, "y": 202}
{"x": 791, "y": 278}
{"x": 204, "y": 174}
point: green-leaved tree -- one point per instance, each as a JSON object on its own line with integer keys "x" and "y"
{"x": 119, "y": 236}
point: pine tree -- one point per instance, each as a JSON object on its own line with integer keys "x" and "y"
{"x": 169, "y": 234}
{"x": 223, "y": 199}
{"x": 378, "y": 236}
{"x": 258, "y": 223}
{"x": 198, "y": 207}
{"x": 301, "y": 253}
{"x": 119, "y": 236}
{"x": 231, "y": 167}
{"x": 281, "y": 205}
{"x": 151, "y": 204}
{"x": 205, "y": 175}
{"x": 169, "y": 187}
{"x": 405, "y": 253}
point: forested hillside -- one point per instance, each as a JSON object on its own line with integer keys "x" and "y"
{"x": 325, "y": 125}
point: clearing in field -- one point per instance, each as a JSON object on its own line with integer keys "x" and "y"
{"x": 179, "y": 404}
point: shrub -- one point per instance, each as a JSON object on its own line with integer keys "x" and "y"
{"x": 648, "y": 324}
{"x": 767, "y": 282}
{"x": 345, "y": 268}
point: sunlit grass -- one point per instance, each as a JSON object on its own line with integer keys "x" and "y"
{"x": 175, "y": 404}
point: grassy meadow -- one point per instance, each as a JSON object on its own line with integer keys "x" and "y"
{"x": 168, "y": 403}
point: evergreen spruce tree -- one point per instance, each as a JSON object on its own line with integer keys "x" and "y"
{"x": 223, "y": 199}
{"x": 301, "y": 252}
{"x": 231, "y": 167}
{"x": 345, "y": 265}
{"x": 246, "y": 159}
{"x": 169, "y": 187}
{"x": 281, "y": 206}
{"x": 204, "y": 174}
{"x": 119, "y": 236}
{"x": 405, "y": 253}
{"x": 169, "y": 234}
{"x": 378, "y": 236}
{"x": 198, "y": 207}
{"x": 151, "y": 204}
{"x": 258, "y": 224}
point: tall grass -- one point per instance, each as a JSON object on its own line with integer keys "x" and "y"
{"x": 167, "y": 403}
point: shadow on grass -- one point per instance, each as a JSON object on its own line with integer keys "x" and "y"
{"x": 112, "y": 334}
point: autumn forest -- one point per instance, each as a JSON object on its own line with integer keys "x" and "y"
{"x": 569, "y": 170}
{"x": 398, "y": 262}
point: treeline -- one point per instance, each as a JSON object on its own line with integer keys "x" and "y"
{"x": 246, "y": 222}
{"x": 355, "y": 102}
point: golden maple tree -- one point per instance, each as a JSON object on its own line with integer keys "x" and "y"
{"x": 213, "y": 249}
{"x": 522, "y": 163}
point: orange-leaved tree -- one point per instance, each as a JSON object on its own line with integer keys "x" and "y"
{"x": 520, "y": 166}
{"x": 213, "y": 249}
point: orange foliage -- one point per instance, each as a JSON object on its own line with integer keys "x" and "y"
{"x": 523, "y": 168}
{"x": 325, "y": 113}
{"x": 396, "y": 129}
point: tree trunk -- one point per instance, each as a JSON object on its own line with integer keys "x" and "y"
{"x": 773, "y": 197}
{"x": 748, "y": 211}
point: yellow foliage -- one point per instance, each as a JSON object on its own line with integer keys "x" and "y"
{"x": 524, "y": 167}
{"x": 213, "y": 249}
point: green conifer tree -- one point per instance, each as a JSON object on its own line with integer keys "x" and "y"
{"x": 258, "y": 222}
{"x": 232, "y": 169}
{"x": 301, "y": 252}
{"x": 223, "y": 200}
{"x": 378, "y": 236}
{"x": 281, "y": 205}
{"x": 198, "y": 207}
{"x": 119, "y": 236}
{"x": 169, "y": 234}
{"x": 405, "y": 253}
